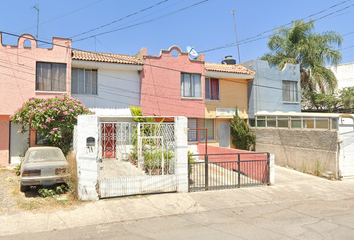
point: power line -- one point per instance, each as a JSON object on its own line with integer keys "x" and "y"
{"x": 147, "y": 21}
{"x": 127, "y": 16}
{"x": 257, "y": 37}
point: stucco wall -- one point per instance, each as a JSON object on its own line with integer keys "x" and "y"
{"x": 233, "y": 93}
{"x": 344, "y": 75}
{"x": 118, "y": 85}
{"x": 161, "y": 85}
{"x": 265, "y": 91}
{"x": 18, "y": 73}
{"x": 300, "y": 149}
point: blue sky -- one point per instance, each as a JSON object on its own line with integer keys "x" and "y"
{"x": 205, "y": 26}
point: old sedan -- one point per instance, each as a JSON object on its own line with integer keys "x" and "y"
{"x": 43, "y": 166}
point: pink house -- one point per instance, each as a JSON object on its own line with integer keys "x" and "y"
{"x": 25, "y": 71}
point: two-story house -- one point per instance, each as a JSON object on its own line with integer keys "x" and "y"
{"x": 27, "y": 70}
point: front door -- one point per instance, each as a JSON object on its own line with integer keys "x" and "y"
{"x": 19, "y": 143}
{"x": 224, "y": 134}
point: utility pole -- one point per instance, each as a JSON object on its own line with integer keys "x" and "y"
{"x": 238, "y": 48}
{"x": 37, "y": 8}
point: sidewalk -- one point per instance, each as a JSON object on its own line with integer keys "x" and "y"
{"x": 290, "y": 186}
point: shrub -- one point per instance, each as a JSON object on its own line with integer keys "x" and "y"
{"x": 71, "y": 178}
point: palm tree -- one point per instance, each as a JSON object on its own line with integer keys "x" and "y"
{"x": 299, "y": 44}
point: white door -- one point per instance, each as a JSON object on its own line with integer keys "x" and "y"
{"x": 224, "y": 134}
{"x": 346, "y": 131}
{"x": 19, "y": 143}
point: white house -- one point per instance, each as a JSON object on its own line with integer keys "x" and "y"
{"x": 344, "y": 74}
{"x": 104, "y": 80}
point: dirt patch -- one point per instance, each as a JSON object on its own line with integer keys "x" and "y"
{"x": 12, "y": 200}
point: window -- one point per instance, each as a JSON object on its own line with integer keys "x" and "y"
{"x": 290, "y": 91}
{"x": 191, "y": 85}
{"x": 212, "y": 89}
{"x": 192, "y": 134}
{"x": 51, "y": 77}
{"x": 208, "y": 124}
{"x": 83, "y": 81}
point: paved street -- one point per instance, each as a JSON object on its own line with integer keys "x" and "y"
{"x": 298, "y": 206}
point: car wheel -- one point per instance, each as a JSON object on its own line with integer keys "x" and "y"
{"x": 23, "y": 188}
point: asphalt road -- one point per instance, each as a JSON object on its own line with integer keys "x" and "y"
{"x": 305, "y": 220}
{"x": 298, "y": 206}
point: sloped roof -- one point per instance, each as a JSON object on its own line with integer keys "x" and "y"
{"x": 105, "y": 57}
{"x": 216, "y": 67}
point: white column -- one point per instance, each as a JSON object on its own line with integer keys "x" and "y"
{"x": 181, "y": 129}
{"x": 87, "y": 126}
{"x": 271, "y": 169}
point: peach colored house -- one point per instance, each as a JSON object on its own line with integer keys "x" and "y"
{"x": 27, "y": 70}
{"x": 225, "y": 89}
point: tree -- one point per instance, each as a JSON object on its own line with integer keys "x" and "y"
{"x": 53, "y": 117}
{"x": 300, "y": 45}
{"x": 240, "y": 130}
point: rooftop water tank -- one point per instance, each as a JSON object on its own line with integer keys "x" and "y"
{"x": 229, "y": 60}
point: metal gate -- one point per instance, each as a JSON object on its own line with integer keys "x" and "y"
{"x": 229, "y": 170}
{"x": 136, "y": 158}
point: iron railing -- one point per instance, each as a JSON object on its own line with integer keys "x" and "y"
{"x": 229, "y": 170}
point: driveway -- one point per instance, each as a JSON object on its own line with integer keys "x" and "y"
{"x": 297, "y": 206}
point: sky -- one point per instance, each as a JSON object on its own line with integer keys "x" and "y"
{"x": 124, "y": 27}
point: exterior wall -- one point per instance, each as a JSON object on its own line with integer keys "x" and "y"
{"x": 18, "y": 78}
{"x": 4, "y": 140}
{"x": 18, "y": 71}
{"x": 161, "y": 85}
{"x": 301, "y": 149}
{"x": 344, "y": 75}
{"x": 233, "y": 93}
{"x": 118, "y": 85}
{"x": 265, "y": 91}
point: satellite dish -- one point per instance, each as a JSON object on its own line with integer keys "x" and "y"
{"x": 191, "y": 52}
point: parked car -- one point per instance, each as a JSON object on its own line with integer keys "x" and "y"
{"x": 43, "y": 166}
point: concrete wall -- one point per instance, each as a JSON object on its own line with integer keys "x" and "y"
{"x": 161, "y": 86}
{"x": 118, "y": 85}
{"x": 344, "y": 74}
{"x": 300, "y": 149}
{"x": 265, "y": 91}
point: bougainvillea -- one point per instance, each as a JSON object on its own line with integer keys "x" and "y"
{"x": 53, "y": 117}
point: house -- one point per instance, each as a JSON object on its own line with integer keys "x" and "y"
{"x": 105, "y": 81}
{"x": 27, "y": 70}
{"x": 225, "y": 90}
{"x": 273, "y": 90}
{"x": 206, "y": 93}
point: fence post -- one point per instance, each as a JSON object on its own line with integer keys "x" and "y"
{"x": 206, "y": 172}
{"x": 271, "y": 169}
{"x": 239, "y": 170}
{"x": 189, "y": 173}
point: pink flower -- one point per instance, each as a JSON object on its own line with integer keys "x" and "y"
{"x": 21, "y": 130}
{"x": 55, "y": 109}
{"x": 40, "y": 110}
{"x": 59, "y": 102}
{"x": 65, "y": 113}
{"x": 75, "y": 107}
{"x": 49, "y": 119}
{"x": 54, "y": 129}
{"x": 63, "y": 120}
{"x": 59, "y": 128}
{"x": 71, "y": 110}
{"x": 19, "y": 118}
{"x": 54, "y": 102}
{"x": 30, "y": 120}
{"x": 32, "y": 101}
{"x": 62, "y": 108}
{"x": 51, "y": 132}
{"x": 44, "y": 126}
{"x": 11, "y": 116}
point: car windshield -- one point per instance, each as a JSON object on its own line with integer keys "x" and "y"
{"x": 45, "y": 155}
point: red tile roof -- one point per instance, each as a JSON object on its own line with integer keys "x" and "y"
{"x": 216, "y": 67}
{"x": 105, "y": 57}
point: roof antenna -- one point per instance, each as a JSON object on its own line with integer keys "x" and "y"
{"x": 37, "y": 8}
{"x": 238, "y": 48}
